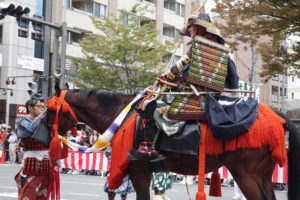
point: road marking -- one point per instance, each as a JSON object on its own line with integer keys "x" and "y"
{"x": 6, "y": 187}
{"x": 4, "y": 194}
{"x": 83, "y": 183}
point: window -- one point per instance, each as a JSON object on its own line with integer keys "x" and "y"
{"x": 176, "y": 7}
{"x": 127, "y": 18}
{"x": 89, "y": 7}
{"x": 75, "y": 38}
{"x": 274, "y": 97}
{"x": 100, "y": 10}
{"x": 39, "y": 7}
{"x": 293, "y": 79}
{"x": 275, "y": 78}
{"x": 170, "y": 32}
{"x": 292, "y": 95}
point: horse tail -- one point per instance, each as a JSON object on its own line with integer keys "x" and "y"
{"x": 293, "y": 159}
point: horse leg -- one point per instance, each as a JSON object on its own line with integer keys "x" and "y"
{"x": 250, "y": 186}
{"x": 248, "y": 168}
{"x": 268, "y": 184}
{"x": 140, "y": 176}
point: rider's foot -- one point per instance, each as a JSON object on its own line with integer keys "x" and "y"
{"x": 146, "y": 152}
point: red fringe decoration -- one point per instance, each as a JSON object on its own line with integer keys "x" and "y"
{"x": 267, "y": 130}
{"x": 215, "y": 184}
{"x": 121, "y": 144}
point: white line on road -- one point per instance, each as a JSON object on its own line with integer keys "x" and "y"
{"x": 83, "y": 183}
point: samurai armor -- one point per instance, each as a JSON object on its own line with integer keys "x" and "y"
{"x": 208, "y": 67}
{"x": 187, "y": 107}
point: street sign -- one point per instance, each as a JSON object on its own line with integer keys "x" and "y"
{"x": 31, "y": 63}
{"x": 21, "y": 110}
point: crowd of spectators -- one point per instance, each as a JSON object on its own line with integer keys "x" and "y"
{"x": 9, "y": 142}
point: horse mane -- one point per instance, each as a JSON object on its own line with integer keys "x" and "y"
{"x": 108, "y": 98}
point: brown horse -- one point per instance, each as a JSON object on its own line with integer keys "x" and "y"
{"x": 252, "y": 169}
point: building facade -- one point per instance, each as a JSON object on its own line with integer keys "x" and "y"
{"x": 20, "y": 58}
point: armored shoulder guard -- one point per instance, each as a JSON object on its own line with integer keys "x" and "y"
{"x": 25, "y": 128}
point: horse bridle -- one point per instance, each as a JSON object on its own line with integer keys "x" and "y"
{"x": 58, "y": 104}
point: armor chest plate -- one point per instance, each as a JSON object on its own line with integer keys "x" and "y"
{"x": 208, "y": 67}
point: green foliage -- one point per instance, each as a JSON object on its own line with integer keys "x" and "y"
{"x": 130, "y": 54}
{"x": 271, "y": 21}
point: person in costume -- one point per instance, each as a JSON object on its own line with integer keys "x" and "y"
{"x": 230, "y": 113}
{"x": 33, "y": 178}
{"x": 124, "y": 189}
{"x": 161, "y": 182}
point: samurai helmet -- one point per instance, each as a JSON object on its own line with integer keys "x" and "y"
{"x": 202, "y": 19}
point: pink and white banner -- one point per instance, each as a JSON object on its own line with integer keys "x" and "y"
{"x": 76, "y": 160}
{"x": 98, "y": 161}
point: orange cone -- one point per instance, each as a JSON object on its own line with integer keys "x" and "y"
{"x": 2, "y": 160}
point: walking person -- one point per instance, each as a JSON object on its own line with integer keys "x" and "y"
{"x": 33, "y": 179}
{"x": 161, "y": 182}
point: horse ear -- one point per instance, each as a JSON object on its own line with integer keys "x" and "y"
{"x": 57, "y": 88}
{"x": 66, "y": 86}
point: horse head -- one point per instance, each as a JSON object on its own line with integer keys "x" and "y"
{"x": 60, "y": 115}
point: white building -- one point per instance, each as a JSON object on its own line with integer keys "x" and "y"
{"x": 19, "y": 56}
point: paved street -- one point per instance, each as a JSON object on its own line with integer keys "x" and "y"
{"x": 78, "y": 187}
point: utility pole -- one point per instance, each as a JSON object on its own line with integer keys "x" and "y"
{"x": 47, "y": 41}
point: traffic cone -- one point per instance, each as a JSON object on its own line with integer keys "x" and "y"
{"x": 2, "y": 160}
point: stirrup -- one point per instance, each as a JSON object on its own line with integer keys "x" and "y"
{"x": 147, "y": 152}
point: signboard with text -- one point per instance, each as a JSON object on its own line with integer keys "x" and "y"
{"x": 26, "y": 62}
{"x": 21, "y": 111}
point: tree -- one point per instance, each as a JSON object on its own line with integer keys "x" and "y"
{"x": 248, "y": 21}
{"x": 125, "y": 56}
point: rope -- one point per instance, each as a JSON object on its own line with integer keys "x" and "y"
{"x": 187, "y": 187}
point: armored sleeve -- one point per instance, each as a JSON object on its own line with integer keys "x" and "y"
{"x": 232, "y": 79}
{"x": 178, "y": 66}
{"x": 25, "y": 128}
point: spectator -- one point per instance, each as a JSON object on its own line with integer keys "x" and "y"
{"x": 13, "y": 141}
{"x": 94, "y": 137}
{"x": 6, "y": 145}
{"x": 70, "y": 137}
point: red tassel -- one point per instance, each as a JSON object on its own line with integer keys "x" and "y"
{"x": 55, "y": 148}
{"x": 54, "y": 183}
{"x": 215, "y": 184}
{"x": 200, "y": 196}
{"x": 74, "y": 131}
{"x": 65, "y": 151}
